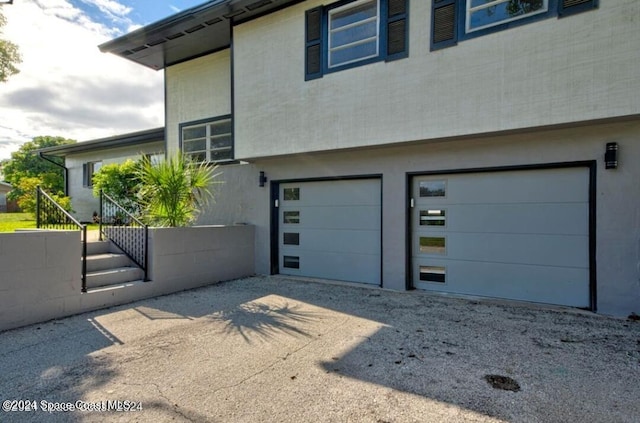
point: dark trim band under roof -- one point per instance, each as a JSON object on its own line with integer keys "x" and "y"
{"x": 124, "y": 140}
{"x": 191, "y": 33}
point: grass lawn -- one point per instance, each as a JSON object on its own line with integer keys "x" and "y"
{"x": 9, "y": 222}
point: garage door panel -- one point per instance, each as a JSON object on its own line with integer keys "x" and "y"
{"x": 342, "y": 217}
{"x": 332, "y": 193}
{"x": 522, "y": 186}
{"x": 547, "y": 218}
{"x": 329, "y": 240}
{"x": 542, "y": 250}
{"x": 361, "y": 268}
{"x": 519, "y": 282}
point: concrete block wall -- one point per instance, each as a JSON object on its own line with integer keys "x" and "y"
{"x": 40, "y": 277}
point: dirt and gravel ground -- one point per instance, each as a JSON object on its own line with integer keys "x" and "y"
{"x": 272, "y": 349}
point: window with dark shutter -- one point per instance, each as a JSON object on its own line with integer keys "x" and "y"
{"x": 569, "y": 7}
{"x": 397, "y": 29}
{"x": 443, "y": 24}
{"x": 313, "y": 50}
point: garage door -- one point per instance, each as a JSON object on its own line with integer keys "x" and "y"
{"x": 520, "y": 235}
{"x": 331, "y": 230}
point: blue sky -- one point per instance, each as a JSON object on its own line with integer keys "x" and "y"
{"x": 66, "y": 86}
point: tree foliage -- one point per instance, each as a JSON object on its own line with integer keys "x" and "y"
{"x": 25, "y": 163}
{"x": 9, "y": 55}
{"x": 174, "y": 191}
{"x": 120, "y": 182}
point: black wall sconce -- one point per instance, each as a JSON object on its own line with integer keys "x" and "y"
{"x": 262, "y": 179}
{"x": 6, "y": 1}
{"x": 611, "y": 156}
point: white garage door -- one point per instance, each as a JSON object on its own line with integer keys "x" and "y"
{"x": 331, "y": 230}
{"x": 520, "y": 235}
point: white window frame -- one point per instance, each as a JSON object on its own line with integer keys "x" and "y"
{"x": 208, "y": 139}
{"x": 470, "y": 10}
{"x": 331, "y": 49}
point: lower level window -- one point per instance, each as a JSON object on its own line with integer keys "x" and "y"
{"x": 208, "y": 140}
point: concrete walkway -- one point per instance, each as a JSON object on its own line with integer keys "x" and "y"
{"x": 279, "y": 350}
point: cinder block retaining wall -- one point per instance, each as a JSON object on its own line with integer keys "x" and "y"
{"x": 40, "y": 272}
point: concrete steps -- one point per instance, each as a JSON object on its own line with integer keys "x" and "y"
{"x": 108, "y": 266}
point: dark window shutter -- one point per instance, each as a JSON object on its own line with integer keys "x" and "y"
{"x": 569, "y": 7}
{"x": 313, "y": 43}
{"x": 443, "y": 24}
{"x": 397, "y": 29}
{"x": 85, "y": 173}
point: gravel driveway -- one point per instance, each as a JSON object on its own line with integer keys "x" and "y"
{"x": 273, "y": 349}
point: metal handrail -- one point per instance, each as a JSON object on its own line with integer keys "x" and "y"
{"x": 125, "y": 230}
{"x": 51, "y": 215}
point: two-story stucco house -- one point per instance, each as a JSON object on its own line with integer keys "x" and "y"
{"x": 455, "y": 146}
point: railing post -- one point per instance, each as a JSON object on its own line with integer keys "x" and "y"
{"x": 38, "y": 206}
{"x": 84, "y": 258}
{"x": 100, "y": 217}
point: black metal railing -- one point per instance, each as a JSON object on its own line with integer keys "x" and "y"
{"x": 51, "y": 215}
{"x": 125, "y": 230}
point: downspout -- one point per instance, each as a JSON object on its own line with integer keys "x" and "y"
{"x": 64, "y": 170}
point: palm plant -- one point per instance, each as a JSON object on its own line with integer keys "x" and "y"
{"x": 173, "y": 192}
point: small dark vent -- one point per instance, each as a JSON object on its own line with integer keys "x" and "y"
{"x": 571, "y": 3}
{"x": 176, "y": 35}
{"x": 156, "y": 42}
{"x": 313, "y": 59}
{"x": 444, "y": 23}
{"x": 194, "y": 29}
{"x": 213, "y": 21}
{"x": 234, "y": 14}
{"x": 137, "y": 49}
{"x": 314, "y": 27}
{"x": 258, "y": 5}
{"x": 396, "y": 39}
{"x": 397, "y": 7}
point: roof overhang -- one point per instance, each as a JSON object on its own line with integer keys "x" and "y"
{"x": 125, "y": 140}
{"x": 191, "y": 33}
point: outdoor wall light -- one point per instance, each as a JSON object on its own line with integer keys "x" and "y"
{"x": 611, "y": 156}
{"x": 6, "y": 1}
{"x": 262, "y": 179}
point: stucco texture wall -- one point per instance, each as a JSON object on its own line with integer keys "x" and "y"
{"x": 574, "y": 69}
{"x": 195, "y": 90}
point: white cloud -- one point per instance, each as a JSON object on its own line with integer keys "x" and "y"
{"x": 66, "y": 86}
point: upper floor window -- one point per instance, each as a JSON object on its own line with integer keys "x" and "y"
{"x": 487, "y": 13}
{"x": 458, "y": 20}
{"x": 209, "y": 140}
{"x": 354, "y": 32}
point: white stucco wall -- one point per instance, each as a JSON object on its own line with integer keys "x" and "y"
{"x": 617, "y": 199}
{"x": 578, "y": 68}
{"x": 82, "y": 200}
{"x": 197, "y": 89}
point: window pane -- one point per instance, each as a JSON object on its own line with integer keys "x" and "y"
{"x": 291, "y": 262}
{"x": 433, "y": 274}
{"x": 197, "y": 145}
{"x": 291, "y": 217}
{"x": 221, "y": 127}
{"x": 194, "y": 132}
{"x": 504, "y": 11}
{"x": 354, "y": 14}
{"x": 291, "y": 194}
{"x": 432, "y": 245}
{"x": 291, "y": 238}
{"x": 349, "y": 54}
{"x": 432, "y": 218}
{"x": 221, "y": 142}
{"x": 354, "y": 33}
{"x": 221, "y": 154}
{"x": 433, "y": 188}
{"x": 197, "y": 157}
